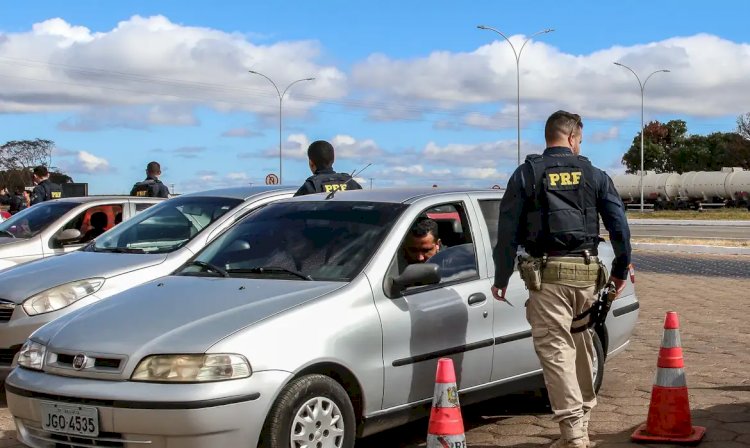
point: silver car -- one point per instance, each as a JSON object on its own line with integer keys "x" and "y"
{"x": 301, "y": 326}
{"x": 151, "y": 245}
{"x": 61, "y": 226}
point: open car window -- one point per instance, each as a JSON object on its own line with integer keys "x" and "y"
{"x": 165, "y": 227}
{"x": 329, "y": 241}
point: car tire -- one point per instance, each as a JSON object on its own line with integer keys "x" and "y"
{"x": 598, "y": 362}
{"x": 311, "y": 396}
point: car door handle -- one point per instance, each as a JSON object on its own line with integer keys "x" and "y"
{"x": 477, "y": 298}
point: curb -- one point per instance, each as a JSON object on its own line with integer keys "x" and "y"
{"x": 692, "y": 249}
{"x": 686, "y": 222}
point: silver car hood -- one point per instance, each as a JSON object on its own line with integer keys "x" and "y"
{"x": 21, "y": 282}
{"x": 177, "y": 314}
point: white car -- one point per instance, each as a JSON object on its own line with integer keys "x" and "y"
{"x": 61, "y": 226}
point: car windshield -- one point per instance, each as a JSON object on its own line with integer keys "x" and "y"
{"x": 164, "y": 227}
{"x": 33, "y": 220}
{"x": 327, "y": 241}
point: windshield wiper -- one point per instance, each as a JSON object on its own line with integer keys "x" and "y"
{"x": 119, "y": 250}
{"x": 7, "y": 233}
{"x": 269, "y": 270}
{"x": 209, "y": 267}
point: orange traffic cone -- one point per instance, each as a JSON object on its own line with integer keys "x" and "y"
{"x": 669, "y": 411}
{"x": 446, "y": 428}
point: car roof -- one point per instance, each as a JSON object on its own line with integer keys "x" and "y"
{"x": 394, "y": 194}
{"x": 87, "y": 199}
{"x": 241, "y": 192}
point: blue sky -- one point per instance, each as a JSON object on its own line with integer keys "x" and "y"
{"x": 412, "y": 87}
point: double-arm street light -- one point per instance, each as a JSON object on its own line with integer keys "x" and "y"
{"x": 643, "y": 86}
{"x": 517, "y": 54}
{"x": 281, "y": 99}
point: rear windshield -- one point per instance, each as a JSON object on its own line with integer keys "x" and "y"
{"x": 165, "y": 226}
{"x": 33, "y": 220}
{"x": 329, "y": 241}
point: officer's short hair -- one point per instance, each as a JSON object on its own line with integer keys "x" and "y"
{"x": 153, "y": 168}
{"x": 41, "y": 171}
{"x": 562, "y": 124}
{"x": 321, "y": 154}
{"x": 423, "y": 227}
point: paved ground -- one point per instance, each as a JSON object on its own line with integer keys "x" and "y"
{"x": 712, "y": 301}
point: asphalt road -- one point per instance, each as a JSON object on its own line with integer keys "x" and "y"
{"x": 689, "y": 231}
{"x": 699, "y": 265}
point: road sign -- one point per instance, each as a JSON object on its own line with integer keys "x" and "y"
{"x": 272, "y": 179}
{"x": 496, "y": 187}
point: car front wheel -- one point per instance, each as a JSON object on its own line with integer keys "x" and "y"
{"x": 313, "y": 411}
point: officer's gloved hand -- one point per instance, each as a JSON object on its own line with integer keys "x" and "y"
{"x": 499, "y": 293}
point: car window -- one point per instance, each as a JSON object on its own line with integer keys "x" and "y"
{"x": 166, "y": 226}
{"x": 141, "y": 206}
{"x": 33, "y": 220}
{"x": 93, "y": 222}
{"x": 454, "y": 252}
{"x": 491, "y": 212}
{"x": 321, "y": 240}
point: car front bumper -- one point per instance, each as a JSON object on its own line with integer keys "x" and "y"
{"x": 133, "y": 414}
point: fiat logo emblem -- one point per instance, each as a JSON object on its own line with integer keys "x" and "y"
{"x": 79, "y": 361}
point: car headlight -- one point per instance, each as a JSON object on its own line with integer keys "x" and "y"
{"x": 192, "y": 368}
{"x": 61, "y": 296}
{"x": 31, "y": 355}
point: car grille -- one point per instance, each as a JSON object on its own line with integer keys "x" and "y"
{"x": 105, "y": 439}
{"x": 7, "y": 355}
{"x": 6, "y": 310}
{"x": 66, "y": 360}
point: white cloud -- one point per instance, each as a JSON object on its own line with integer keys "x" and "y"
{"x": 602, "y": 136}
{"x": 241, "y": 133}
{"x": 702, "y": 66}
{"x": 90, "y": 163}
{"x": 237, "y": 176}
{"x": 153, "y": 61}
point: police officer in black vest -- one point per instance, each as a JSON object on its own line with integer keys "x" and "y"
{"x": 551, "y": 207}
{"x": 152, "y": 187}
{"x": 44, "y": 190}
{"x": 324, "y": 180}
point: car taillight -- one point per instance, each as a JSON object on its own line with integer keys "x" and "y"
{"x": 631, "y": 271}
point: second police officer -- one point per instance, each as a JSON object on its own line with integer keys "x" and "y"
{"x": 320, "y": 156}
{"x": 551, "y": 207}
{"x": 151, "y": 187}
{"x": 44, "y": 189}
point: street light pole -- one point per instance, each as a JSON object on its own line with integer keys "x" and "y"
{"x": 642, "y": 86}
{"x": 517, "y": 54}
{"x": 281, "y": 99}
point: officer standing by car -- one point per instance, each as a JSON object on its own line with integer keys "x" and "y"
{"x": 45, "y": 189}
{"x": 151, "y": 187}
{"x": 320, "y": 156}
{"x": 551, "y": 207}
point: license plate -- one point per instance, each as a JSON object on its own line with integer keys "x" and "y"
{"x": 70, "y": 419}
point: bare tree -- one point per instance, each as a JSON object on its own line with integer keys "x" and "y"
{"x": 18, "y": 157}
{"x": 743, "y": 126}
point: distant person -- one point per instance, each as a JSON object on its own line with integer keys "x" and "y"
{"x": 99, "y": 221}
{"x": 18, "y": 200}
{"x": 118, "y": 218}
{"x": 152, "y": 187}
{"x": 44, "y": 190}
{"x": 320, "y": 156}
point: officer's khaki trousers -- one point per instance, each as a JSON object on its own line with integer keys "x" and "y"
{"x": 566, "y": 358}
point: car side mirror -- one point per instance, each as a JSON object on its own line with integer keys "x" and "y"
{"x": 68, "y": 236}
{"x": 416, "y": 275}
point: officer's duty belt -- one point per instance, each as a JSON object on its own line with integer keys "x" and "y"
{"x": 570, "y": 268}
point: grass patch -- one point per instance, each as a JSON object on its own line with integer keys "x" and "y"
{"x": 694, "y": 241}
{"x": 728, "y": 214}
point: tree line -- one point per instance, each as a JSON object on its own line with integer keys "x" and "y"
{"x": 667, "y": 147}
{"x": 19, "y": 157}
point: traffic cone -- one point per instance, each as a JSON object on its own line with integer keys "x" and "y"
{"x": 446, "y": 428}
{"x": 669, "y": 411}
